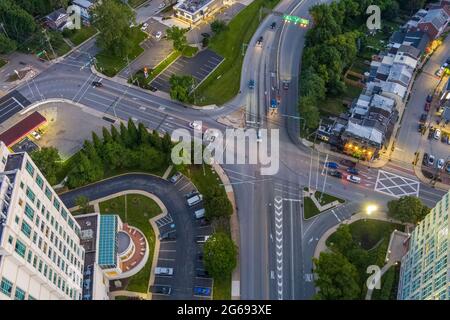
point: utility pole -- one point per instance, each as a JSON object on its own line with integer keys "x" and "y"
{"x": 49, "y": 43}
{"x": 324, "y": 181}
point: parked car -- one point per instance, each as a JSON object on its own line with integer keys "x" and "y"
{"x": 336, "y": 174}
{"x": 423, "y": 118}
{"x": 427, "y": 106}
{"x": 97, "y": 84}
{"x": 431, "y": 160}
{"x": 175, "y": 177}
{"x": 171, "y": 235}
{"x": 251, "y": 84}
{"x": 437, "y": 134}
{"x": 259, "y": 41}
{"x": 425, "y": 159}
{"x": 429, "y": 98}
{"x": 164, "y": 271}
{"x": 332, "y": 165}
{"x": 353, "y": 171}
{"x": 144, "y": 26}
{"x": 202, "y": 291}
{"x": 153, "y": 88}
{"x": 192, "y": 201}
{"x": 202, "y": 273}
{"x": 347, "y": 163}
{"x": 354, "y": 179}
{"x": 273, "y": 25}
{"x": 440, "y": 164}
{"x": 159, "y": 289}
{"x": 158, "y": 35}
{"x": 285, "y": 85}
{"x": 35, "y": 135}
{"x": 440, "y": 72}
{"x": 200, "y": 213}
{"x": 201, "y": 239}
{"x": 161, "y": 5}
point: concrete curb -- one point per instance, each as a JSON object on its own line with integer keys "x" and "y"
{"x": 235, "y": 229}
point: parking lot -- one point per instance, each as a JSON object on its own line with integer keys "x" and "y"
{"x": 11, "y": 104}
{"x": 198, "y": 67}
{"x": 167, "y": 253}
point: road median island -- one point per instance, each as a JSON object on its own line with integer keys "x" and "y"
{"x": 316, "y": 202}
{"x": 223, "y": 84}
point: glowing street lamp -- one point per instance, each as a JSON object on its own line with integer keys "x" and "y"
{"x": 371, "y": 208}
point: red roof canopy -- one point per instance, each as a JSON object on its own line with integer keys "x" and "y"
{"x": 22, "y": 128}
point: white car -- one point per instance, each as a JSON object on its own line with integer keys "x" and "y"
{"x": 164, "y": 271}
{"x": 35, "y": 135}
{"x": 437, "y": 134}
{"x": 144, "y": 26}
{"x": 354, "y": 179}
{"x": 195, "y": 125}
{"x": 440, "y": 164}
{"x": 158, "y": 35}
{"x": 161, "y": 5}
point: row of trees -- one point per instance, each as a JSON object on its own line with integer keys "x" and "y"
{"x": 129, "y": 148}
{"x": 407, "y": 209}
{"x": 331, "y": 46}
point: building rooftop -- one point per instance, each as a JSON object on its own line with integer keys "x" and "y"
{"x": 22, "y": 128}
{"x": 192, "y": 6}
{"x": 14, "y": 161}
{"x": 366, "y": 132}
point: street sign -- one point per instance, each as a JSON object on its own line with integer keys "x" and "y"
{"x": 145, "y": 72}
{"x": 296, "y": 20}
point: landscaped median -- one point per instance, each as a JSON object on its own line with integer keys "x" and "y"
{"x": 223, "y": 84}
{"x": 314, "y": 202}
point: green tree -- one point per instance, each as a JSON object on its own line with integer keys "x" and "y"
{"x": 155, "y": 140}
{"x": 116, "y": 135}
{"x": 149, "y": 159}
{"x": 132, "y": 132}
{"x": 18, "y": 23}
{"x": 407, "y": 209}
{"x": 83, "y": 172}
{"x": 115, "y": 155}
{"x": 112, "y": 18}
{"x": 220, "y": 255}
{"x": 97, "y": 142}
{"x": 125, "y": 135}
{"x": 218, "y": 26}
{"x": 337, "y": 278}
{"x": 48, "y": 161}
{"x": 180, "y": 88}
{"x": 143, "y": 135}
{"x": 41, "y": 7}
{"x": 178, "y": 37}
{"x": 107, "y": 138}
{"x": 311, "y": 84}
{"x": 309, "y": 111}
{"x": 83, "y": 203}
{"x": 7, "y": 45}
{"x": 342, "y": 239}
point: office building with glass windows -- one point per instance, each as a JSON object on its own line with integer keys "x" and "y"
{"x": 425, "y": 269}
{"x": 40, "y": 252}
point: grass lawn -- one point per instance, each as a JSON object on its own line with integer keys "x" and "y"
{"x": 309, "y": 208}
{"x": 228, "y": 44}
{"x": 327, "y": 198}
{"x": 222, "y": 289}
{"x": 333, "y": 106}
{"x": 189, "y": 51}
{"x": 136, "y": 210}
{"x": 79, "y": 36}
{"x": 369, "y": 232}
{"x": 110, "y": 65}
{"x": 3, "y": 62}
{"x": 60, "y": 47}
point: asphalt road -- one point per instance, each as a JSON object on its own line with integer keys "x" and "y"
{"x": 185, "y": 248}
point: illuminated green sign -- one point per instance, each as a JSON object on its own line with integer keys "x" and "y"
{"x": 296, "y": 20}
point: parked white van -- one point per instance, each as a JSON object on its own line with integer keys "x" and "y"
{"x": 194, "y": 200}
{"x": 199, "y": 213}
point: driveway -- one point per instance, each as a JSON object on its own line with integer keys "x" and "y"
{"x": 183, "y": 249}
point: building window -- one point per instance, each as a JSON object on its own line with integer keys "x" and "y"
{"x": 40, "y": 181}
{"x": 16, "y": 219}
{"x": 30, "y": 194}
{"x": 20, "y": 248}
{"x": 48, "y": 193}
{"x": 29, "y": 212}
{"x": 26, "y": 229}
{"x": 56, "y": 204}
{"x": 64, "y": 213}
{"x": 20, "y": 294}
{"x": 6, "y": 287}
{"x": 10, "y": 239}
{"x": 29, "y": 168}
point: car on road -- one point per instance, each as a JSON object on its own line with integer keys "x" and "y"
{"x": 202, "y": 273}
{"x": 205, "y": 35}
{"x": 35, "y": 135}
{"x": 159, "y": 289}
{"x": 164, "y": 271}
{"x": 347, "y": 163}
{"x": 161, "y": 5}
{"x": 440, "y": 72}
{"x": 195, "y": 125}
{"x": 144, "y": 26}
{"x": 259, "y": 41}
{"x": 158, "y": 35}
{"x": 354, "y": 179}
{"x": 273, "y": 25}
{"x": 211, "y": 134}
{"x": 423, "y": 118}
{"x": 175, "y": 177}
{"x": 427, "y": 106}
{"x": 336, "y": 174}
{"x": 285, "y": 85}
{"x": 437, "y": 134}
{"x": 171, "y": 235}
{"x": 97, "y": 84}
{"x": 429, "y": 98}
{"x": 152, "y": 88}
{"x": 201, "y": 239}
{"x": 431, "y": 160}
{"x": 258, "y": 136}
{"x": 251, "y": 84}
{"x": 421, "y": 128}
{"x": 331, "y": 165}
{"x": 353, "y": 171}
{"x": 425, "y": 159}
{"x": 202, "y": 291}
{"x": 440, "y": 164}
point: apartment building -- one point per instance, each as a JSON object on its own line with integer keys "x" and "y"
{"x": 40, "y": 252}
{"x": 425, "y": 268}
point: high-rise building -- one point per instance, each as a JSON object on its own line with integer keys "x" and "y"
{"x": 40, "y": 252}
{"x": 425, "y": 269}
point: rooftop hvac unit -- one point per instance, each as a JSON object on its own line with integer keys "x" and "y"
{"x": 87, "y": 234}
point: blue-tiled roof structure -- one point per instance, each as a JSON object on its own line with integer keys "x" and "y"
{"x": 107, "y": 247}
